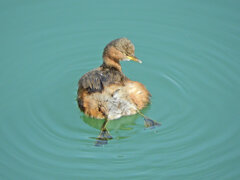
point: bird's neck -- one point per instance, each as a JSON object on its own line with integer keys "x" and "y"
{"x": 112, "y": 63}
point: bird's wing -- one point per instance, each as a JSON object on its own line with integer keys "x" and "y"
{"x": 91, "y": 81}
{"x": 97, "y": 79}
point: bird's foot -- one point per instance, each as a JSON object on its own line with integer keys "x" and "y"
{"x": 149, "y": 123}
{"x": 103, "y": 138}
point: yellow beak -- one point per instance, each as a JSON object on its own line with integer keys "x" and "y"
{"x": 133, "y": 58}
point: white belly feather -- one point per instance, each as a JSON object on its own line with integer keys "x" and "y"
{"x": 119, "y": 105}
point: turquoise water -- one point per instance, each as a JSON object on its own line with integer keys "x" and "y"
{"x": 190, "y": 52}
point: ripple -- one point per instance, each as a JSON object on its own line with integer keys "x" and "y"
{"x": 190, "y": 66}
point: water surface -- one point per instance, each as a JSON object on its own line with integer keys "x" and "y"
{"x": 190, "y": 52}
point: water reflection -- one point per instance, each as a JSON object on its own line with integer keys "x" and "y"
{"x": 124, "y": 123}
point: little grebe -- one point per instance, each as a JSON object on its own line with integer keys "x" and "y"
{"x": 106, "y": 93}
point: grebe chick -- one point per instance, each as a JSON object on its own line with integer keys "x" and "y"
{"x": 105, "y": 92}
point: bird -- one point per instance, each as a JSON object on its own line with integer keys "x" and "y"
{"x": 106, "y": 93}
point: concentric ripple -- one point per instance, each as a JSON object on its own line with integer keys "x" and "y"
{"x": 190, "y": 53}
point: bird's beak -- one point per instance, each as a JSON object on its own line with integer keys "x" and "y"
{"x": 134, "y": 58}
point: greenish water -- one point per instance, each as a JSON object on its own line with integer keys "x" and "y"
{"x": 190, "y": 52}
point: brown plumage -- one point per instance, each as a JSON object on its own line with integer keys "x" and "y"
{"x": 106, "y": 92}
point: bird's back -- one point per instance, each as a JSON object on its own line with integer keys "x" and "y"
{"x": 100, "y": 78}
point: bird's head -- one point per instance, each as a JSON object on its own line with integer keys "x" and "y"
{"x": 121, "y": 49}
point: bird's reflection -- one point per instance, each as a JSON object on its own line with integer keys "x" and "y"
{"x": 124, "y": 123}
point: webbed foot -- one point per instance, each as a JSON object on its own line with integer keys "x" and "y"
{"x": 103, "y": 138}
{"x": 149, "y": 123}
